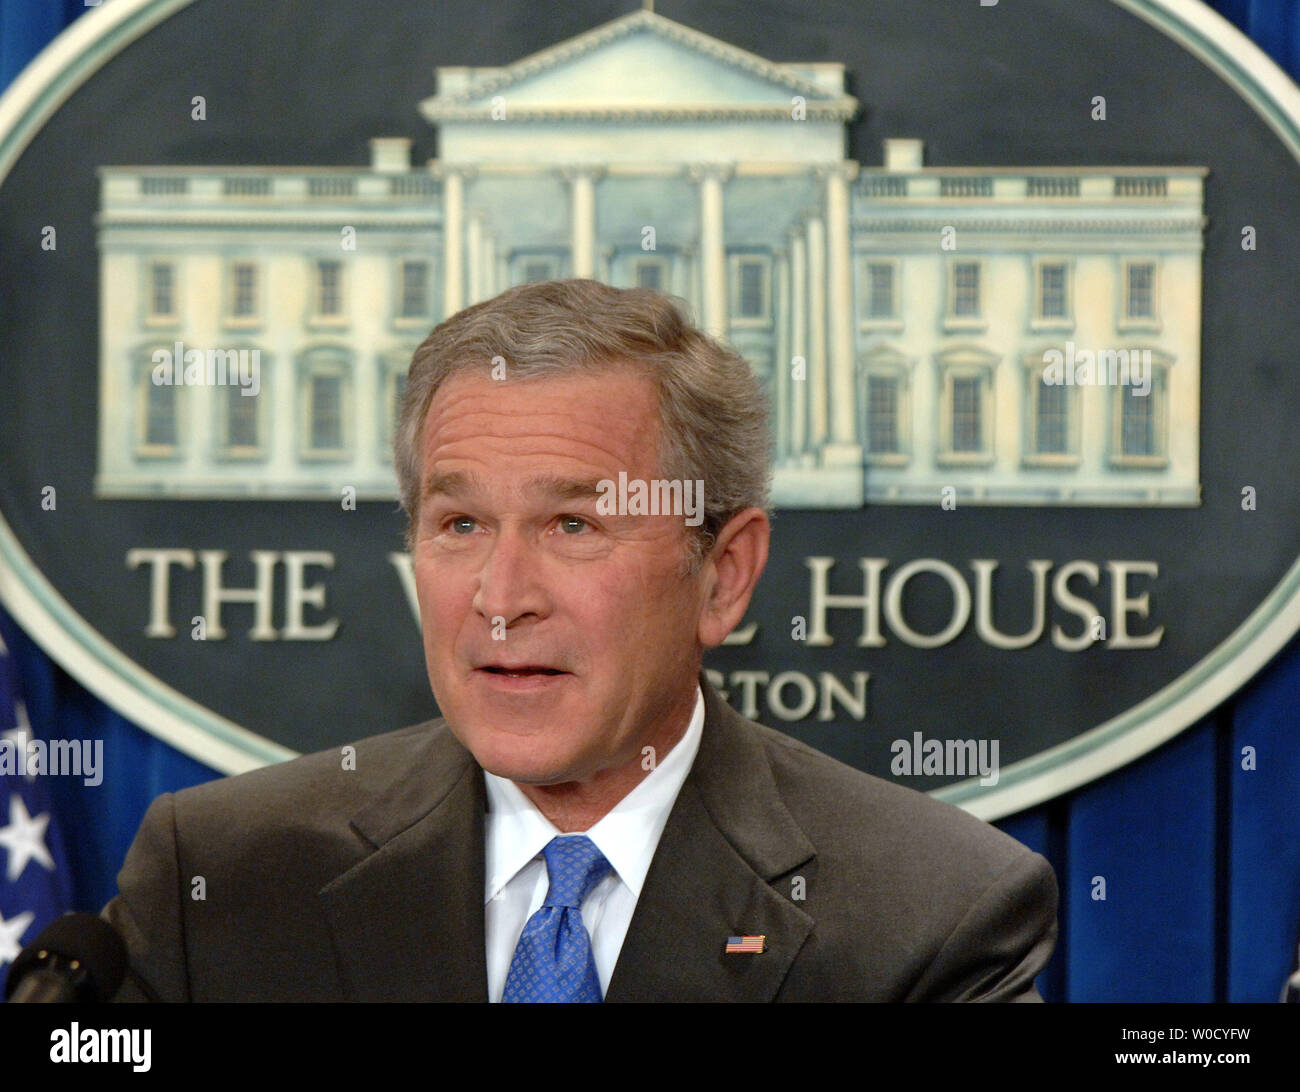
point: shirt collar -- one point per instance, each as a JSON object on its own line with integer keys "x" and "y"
{"x": 628, "y": 835}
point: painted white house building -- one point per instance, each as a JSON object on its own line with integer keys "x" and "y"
{"x": 900, "y": 316}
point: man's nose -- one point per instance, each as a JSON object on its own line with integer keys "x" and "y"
{"x": 509, "y": 584}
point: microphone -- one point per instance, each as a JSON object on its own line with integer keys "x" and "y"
{"x": 78, "y": 958}
{"x": 1291, "y": 990}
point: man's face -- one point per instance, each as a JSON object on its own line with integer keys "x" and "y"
{"x": 510, "y": 545}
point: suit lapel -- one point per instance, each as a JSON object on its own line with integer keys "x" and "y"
{"x": 727, "y": 838}
{"x": 408, "y": 919}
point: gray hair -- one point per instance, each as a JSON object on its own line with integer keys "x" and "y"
{"x": 713, "y": 411}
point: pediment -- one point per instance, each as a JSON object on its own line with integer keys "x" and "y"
{"x": 640, "y": 65}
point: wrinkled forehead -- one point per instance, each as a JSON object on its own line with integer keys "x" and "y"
{"x": 607, "y": 420}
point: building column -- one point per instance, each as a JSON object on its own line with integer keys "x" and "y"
{"x": 282, "y": 389}
{"x": 453, "y": 178}
{"x": 367, "y": 385}
{"x": 818, "y": 426}
{"x": 582, "y": 218}
{"x": 474, "y": 258}
{"x": 713, "y": 247}
{"x": 781, "y": 354}
{"x": 798, "y": 342}
{"x": 843, "y": 447}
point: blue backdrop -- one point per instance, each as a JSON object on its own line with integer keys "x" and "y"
{"x": 1201, "y": 859}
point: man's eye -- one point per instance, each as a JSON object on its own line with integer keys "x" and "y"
{"x": 567, "y": 522}
{"x": 456, "y": 522}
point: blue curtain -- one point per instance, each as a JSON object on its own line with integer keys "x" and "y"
{"x": 25, "y": 27}
{"x": 1200, "y": 859}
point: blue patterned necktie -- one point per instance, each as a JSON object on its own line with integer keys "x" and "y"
{"x": 553, "y": 960}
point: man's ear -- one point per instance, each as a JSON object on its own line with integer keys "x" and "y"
{"x": 731, "y": 572}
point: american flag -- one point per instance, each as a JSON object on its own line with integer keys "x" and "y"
{"x": 35, "y": 887}
{"x": 745, "y": 944}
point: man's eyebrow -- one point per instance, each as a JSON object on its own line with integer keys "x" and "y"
{"x": 451, "y": 483}
{"x": 459, "y": 483}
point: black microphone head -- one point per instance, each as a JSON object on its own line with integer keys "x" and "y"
{"x": 85, "y": 939}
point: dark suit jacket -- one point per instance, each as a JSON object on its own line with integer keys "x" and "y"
{"x": 324, "y": 884}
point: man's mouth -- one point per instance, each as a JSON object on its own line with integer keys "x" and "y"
{"x": 522, "y": 671}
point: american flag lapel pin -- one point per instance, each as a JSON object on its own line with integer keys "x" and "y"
{"x": 746, "y": 945}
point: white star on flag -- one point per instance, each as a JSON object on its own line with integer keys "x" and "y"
{"x": 24, "y": 838}
{"x": 20, "y": 735}
{"x": 11, "y": 934}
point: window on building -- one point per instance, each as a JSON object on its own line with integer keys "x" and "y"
{"x": 325, "y": 403}
{"x": 326, "y": 412}
{"x": 1140, "y": 297}
{"x": 1053, "y": 292}
{"x": 415, "y": 290}
{"x": 1137, "y": 423}
{"x": 391, "y": 367}
{"x": 1053, "y": 419}
{"x": 880, "y": 290}
{"x": 751, "y": 301}
{"x": 241, "y": 419}
{"x": 329, "y": 288}
{"x": 162, "y": 290}
{"x": 882, "y": 415}
{"x": 243, "y": 290}
{"x": 966, "y": 289}
{"x": 650, "y": 275}
{"x": 160, "y": 425}
{"x": 967, "y": 433}
{"x": 538, "y": 269}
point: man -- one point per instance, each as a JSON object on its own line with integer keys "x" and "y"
{"x": 590, "y": 821}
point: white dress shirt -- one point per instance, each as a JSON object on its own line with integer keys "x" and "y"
{"x": 516, "y": 833}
